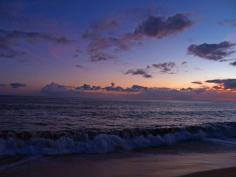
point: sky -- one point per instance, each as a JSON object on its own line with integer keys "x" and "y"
{"x": 89, "y": 47}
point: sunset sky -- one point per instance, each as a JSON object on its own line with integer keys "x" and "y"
{"x": 151, "y": 43}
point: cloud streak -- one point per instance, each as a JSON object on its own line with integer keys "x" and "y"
{"x": 16, "y": 85}
{"x": 197, "y": 82}
{"x": 8, "y": 36}
{"x": 10, "y": 39}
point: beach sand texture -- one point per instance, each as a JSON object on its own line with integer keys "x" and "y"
{"x": 126, "y": 165}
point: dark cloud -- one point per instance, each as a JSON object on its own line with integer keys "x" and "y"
{"x": 87, "y": 87}
{"x": 166, "y": 67}
{"x": 197, "y": 82}
{"x": 7, "y": 52}
{"x": 103, "y": 40}
{"x": 139, "y": 71}
{"x": 226, "y": 83}
{"x": 98, "y": 47}
{"x": 184, "y": 63}
{"x": 100, "y": 56}
{"x": 112, "y": 88}
{"x": 100, "y": 41}
{"x": 215, "y": 52}
{"x": 16, "y": 85}
{"x": 136, "y": 88}
{"x": 138, "y": 92}
{"x": 160, "y": 27}
{"x": 233, "y": 63}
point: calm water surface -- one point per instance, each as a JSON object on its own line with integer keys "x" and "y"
{"x": 42, "y": 113}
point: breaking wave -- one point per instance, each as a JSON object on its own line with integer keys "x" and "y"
{"x": 95, "y": 141}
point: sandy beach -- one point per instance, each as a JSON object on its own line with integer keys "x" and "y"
{"x": 126, "y": 165}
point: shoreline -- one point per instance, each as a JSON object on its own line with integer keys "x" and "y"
{"x": 228, "y": 172}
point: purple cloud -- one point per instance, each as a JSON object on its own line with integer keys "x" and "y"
{"x": 139, "y": 71}
{"x": 102, "y": 42}
{"x": 159, "y": 27}
{"x": 166, "y": 67}
{"x": 215, "y": 52}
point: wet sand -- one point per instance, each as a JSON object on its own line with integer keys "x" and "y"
{"x": 135, "y": 164}
{"x": 227, "y": 172}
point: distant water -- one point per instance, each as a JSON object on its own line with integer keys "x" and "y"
{"x": 43, "y": 125}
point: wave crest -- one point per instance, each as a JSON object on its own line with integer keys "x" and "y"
{"x": 67, "y": 142}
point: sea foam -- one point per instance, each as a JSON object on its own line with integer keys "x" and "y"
{"x": 69, "y": 142}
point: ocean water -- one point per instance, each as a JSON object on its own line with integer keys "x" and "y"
{"x": 44, "y": 125}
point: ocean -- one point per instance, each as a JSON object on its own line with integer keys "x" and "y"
{"x": 31, "y": 125}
